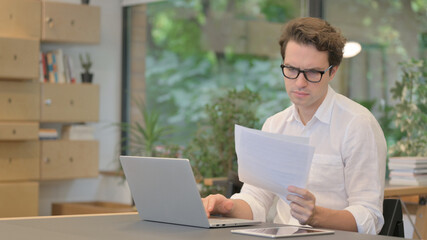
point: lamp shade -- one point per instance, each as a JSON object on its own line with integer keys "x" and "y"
{"x": 351, "y": 49}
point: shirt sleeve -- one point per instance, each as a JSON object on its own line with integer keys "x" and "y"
{"x": 364, "y": 155}
{"x": 258, "y": 199}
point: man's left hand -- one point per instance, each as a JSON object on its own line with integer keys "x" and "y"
{"x": 303, "y": 205}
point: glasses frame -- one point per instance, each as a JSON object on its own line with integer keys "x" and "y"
{"x": 282, "y": 66}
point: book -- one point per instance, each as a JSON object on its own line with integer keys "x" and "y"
{"x": 41, "y": 72}
{"x": 60, "y": 68}
{"x": 51, "y": 73}
{"x": 69, "y": 69}
{"x": 45, "y": 70}
{"x": 54, "y": 67}
{"x": 48, "y": 133}
{"x": 392, "y": 165}
{"x": 411, "y": 170}
{"x": 408, "y": 181}
{"x": 72, "y": 70}
{"x": 408, "y": 160}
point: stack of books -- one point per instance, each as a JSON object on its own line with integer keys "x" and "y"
{"x": 408, "y": 171}
{"x": 56, "y": 67}
{"x": 48, "y": 133}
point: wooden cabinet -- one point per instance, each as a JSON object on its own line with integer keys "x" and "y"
{"x": 19, "y": 160}
{"x": 63, "y": 22}
{"x": 19, "y": 101}
{"x": 68, "y": 159}
{"x": 19, "y": 58}
{"x": 69, "y": 103}
{"x": 25, "y": 102}
{"x": 13, "y": 131}
{"x": 20, "y": 18}
{"x": 19, "y": 199}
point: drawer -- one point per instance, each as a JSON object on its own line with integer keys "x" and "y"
{"x": 69, "y": 103}
{"x": 19, "y": 101}
{"x": 68, "y": 159}
{"x": 20, "y": 18}
{"x": 19, "y": 130}
{"x": 19, "y": 160}
{"x": 19, "y": 199}
{"x": 19, "y": 58}
{"x": 64, "y": 22}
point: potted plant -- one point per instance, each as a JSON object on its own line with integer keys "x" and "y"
{"x": 148, "y": 137}
{"x": 86, "y": 65}
{"x": 212, "y": 151}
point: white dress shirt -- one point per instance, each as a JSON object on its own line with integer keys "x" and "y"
{"x": 348, "y": 167}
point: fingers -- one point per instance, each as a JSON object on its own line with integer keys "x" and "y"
{"x": 303, "y": 215}
{"x": 208, "y": 203}
{"x": 217, "y": 204}
{"x": 302, "y": 205}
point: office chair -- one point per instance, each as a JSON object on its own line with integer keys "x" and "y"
{"x": 393, "y": 218}
{"x": 233, "y": 184}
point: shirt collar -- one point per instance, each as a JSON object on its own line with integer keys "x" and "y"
{"x": 324, "y": 111}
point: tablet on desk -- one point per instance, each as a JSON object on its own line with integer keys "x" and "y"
{"x": 279, "y": 232}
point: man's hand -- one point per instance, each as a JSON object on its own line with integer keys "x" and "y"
{"x": 303, "y": 207}
{"x": 217, "y": 204}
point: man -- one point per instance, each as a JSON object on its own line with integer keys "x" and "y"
{"x": 346, "y": 181}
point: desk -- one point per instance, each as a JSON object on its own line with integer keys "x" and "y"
{"x": 420, "y": 225}
{"x": 120, "y": 226}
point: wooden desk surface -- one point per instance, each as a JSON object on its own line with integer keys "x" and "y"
{"x": 129, "y": 227}
{"x": 392, "y": 191}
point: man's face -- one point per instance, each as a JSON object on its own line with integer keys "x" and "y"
{"x": 307, "y": 96}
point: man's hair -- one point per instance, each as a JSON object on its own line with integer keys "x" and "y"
{"x": 316, "y": 32}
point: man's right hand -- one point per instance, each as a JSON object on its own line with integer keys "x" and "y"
{"x": 217, "y": 204}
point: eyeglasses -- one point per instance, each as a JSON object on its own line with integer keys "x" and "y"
{"x": 313, "y": 76}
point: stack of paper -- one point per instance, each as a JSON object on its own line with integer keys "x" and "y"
{"x": 78, "y": 132}
{"x": 272, "y": 161}
{"x": 408, "y": 170}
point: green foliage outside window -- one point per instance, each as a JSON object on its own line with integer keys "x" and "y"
{"x": 183, "y": 77}
{"x": 410, "y": 111}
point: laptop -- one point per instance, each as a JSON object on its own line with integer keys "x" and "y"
{"x": 164, "y": 190}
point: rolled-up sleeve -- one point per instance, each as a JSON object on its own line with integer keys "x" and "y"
{"x": 258, "y": 199}
{"x": 364, "y": 158}
{"x": 369, "y": 221}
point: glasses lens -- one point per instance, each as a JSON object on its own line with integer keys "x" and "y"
{"x": 290, "y": 72}
{"x": 313, "y": 75}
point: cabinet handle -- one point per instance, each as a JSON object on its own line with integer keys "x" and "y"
{"x": 72, "y": 22}
{"x": 49, "y": 22}
{"x": 48, "y": 102}
{"x": 71, "y": 159}
{"x": 11, "y": 16}
{"x": 71, "y": 102}
{"x": 10, "y": 160}
{"x": 14, "y": 131}
{"x": 47, "y": 160}
{"x": 15, "y": 57}
{"x": 9, "y": 100}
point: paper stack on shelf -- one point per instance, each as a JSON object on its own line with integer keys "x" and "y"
{"x": 408, "y": 171}
{"x": 78, "y": 132}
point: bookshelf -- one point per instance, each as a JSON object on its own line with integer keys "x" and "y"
{"x": 26, "y": 102}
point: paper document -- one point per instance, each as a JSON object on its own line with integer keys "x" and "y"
{"x": 272, "y": 161}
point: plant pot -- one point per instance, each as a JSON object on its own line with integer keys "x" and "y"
{"x": 87, "y": 77}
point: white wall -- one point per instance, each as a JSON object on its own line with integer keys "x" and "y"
{"x": 106, "y": 57}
